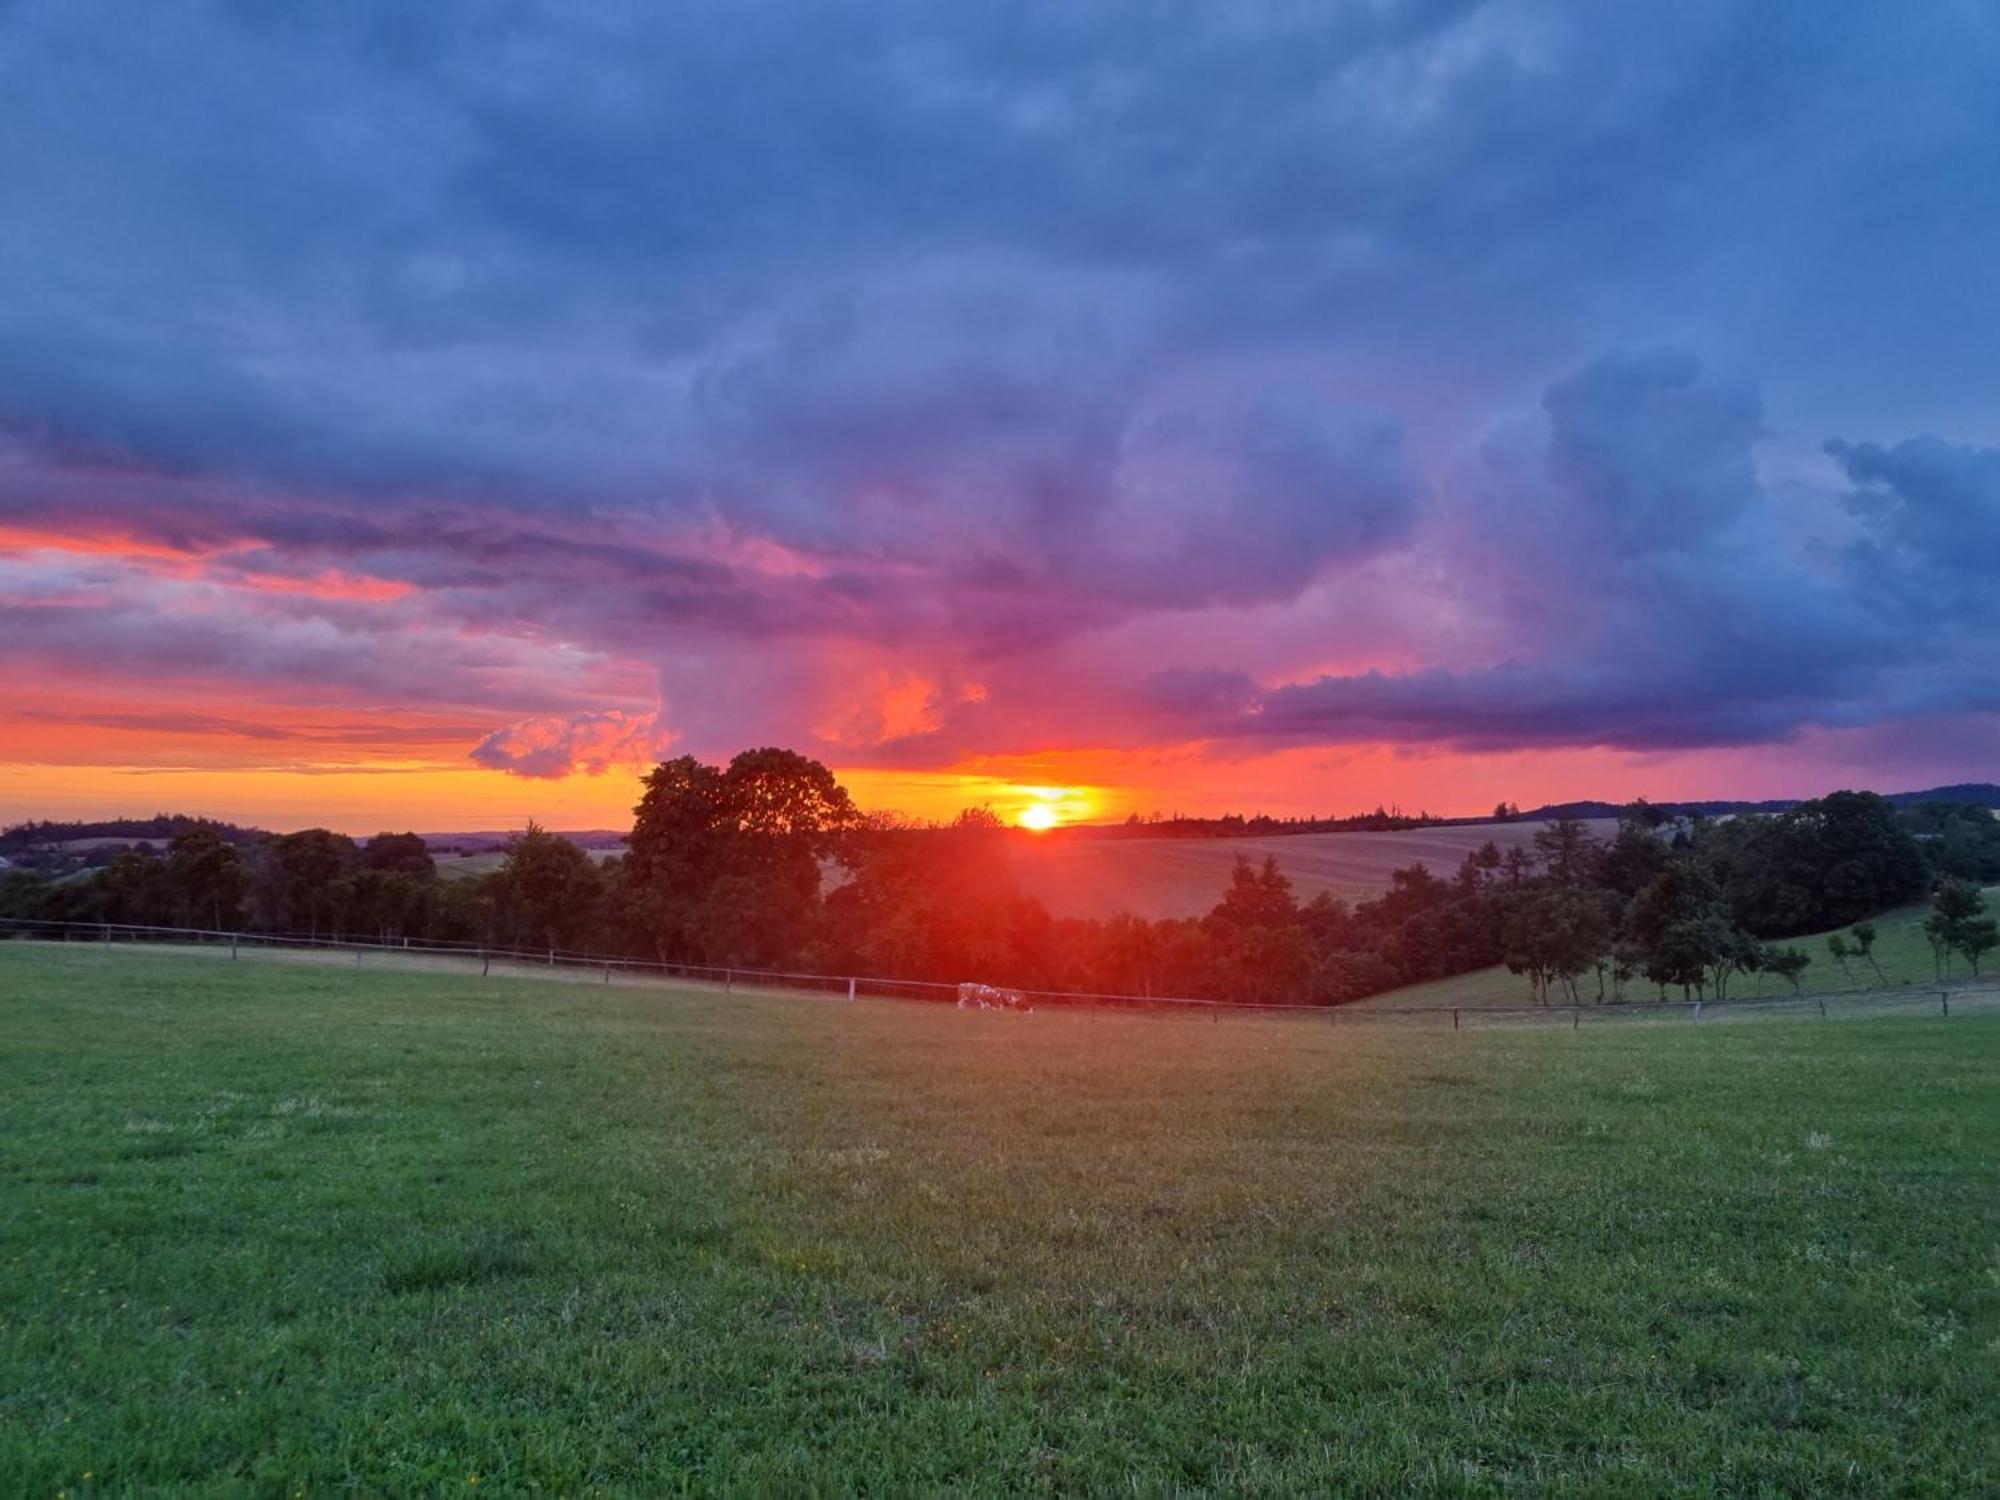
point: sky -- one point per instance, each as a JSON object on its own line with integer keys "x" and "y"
{"x": 432, "y": 415}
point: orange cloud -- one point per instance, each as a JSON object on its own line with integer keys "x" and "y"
{"x": 23, "y": 539}
{"x": 330, "y": 584}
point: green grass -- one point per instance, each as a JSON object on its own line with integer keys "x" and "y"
{"x": 471, "y": 866}
{"x": 1186, "y": 877}
{"x": 271, "y": 1228}
{"x": 1902, "y": 958}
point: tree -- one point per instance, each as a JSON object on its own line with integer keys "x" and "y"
{"x": 1702, "y": 950}
{"x": 1789, "y": 964}
{"x": 206, "y": 878}
{"x": 1958, "y": 838}
{"x": 1259, "y": 897}
{"x": 136, "y": 888}
{"x": 1977, "y": 937}
{"x": 1841, "y": 950}
{"x": 782, "y": 794}
{"x": 1552, "y": 935}
{"x": 1938, "y": 932}
{"x": 545, "y": 891}
{"x": 1477, "y": 870}
{"x": 1568, "y": 852}
{"x": 304, "y": 879}
{"x": 682, "y": 829}
{"x": 1680, "y": 891}
{"x": 1641, "y": 814}
{"x": 1736, "y": 952}
{"x": 1958, "y": 924}
{"x": 1258, "y": 945}
{"x": 1633, "y": 859}
{"x": 1864, "y": 946}
{"x": 1823, "y": 863}
{"x": 399, "y": 854}
{"x": 1682, "y": 927}
{"x": 1131, "y": 948}
{"x": 729, "y": 860}
{"x": 387, "y": 904}
{"x": 937, "y": 904}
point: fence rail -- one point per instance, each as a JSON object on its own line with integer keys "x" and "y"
{"x": 854, "y": 986}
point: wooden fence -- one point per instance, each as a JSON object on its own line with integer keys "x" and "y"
{"x": 606, "y": 968}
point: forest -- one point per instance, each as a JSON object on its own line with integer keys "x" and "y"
{"x": 767, "y": 863}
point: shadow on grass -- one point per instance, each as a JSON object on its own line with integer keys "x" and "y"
{"x": 157, "y": 1148}
{"x": 438, "y": 1265}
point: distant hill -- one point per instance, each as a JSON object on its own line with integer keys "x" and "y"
{"x": 1977, "y": 793}
{"x": 485, "y": 840}
{"x": 160, "y": 828}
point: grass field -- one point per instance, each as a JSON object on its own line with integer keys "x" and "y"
{"x": 486, "y": 861}
{"x": 292, "y": 1229}
{"x": 1902, "y": 957}
{"x": 1186, "y": 877}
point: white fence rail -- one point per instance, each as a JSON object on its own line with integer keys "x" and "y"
{"x": 1940, "y": 997}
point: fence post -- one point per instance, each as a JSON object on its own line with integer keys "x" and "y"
{"x": 1944, "y": 999}
{"x": 232, "y": 947}
{"x": 1697, "y": 1013}
{"x": 607, "y": 973}
{"x": 850, "y": 989}
{"x": 1454, "y": 1018}
{"x": 552, "y": 958}
{"x": 357, "y": 958}
{"x": 485, "y": 963}
{"x": 1214, "y": 1012}
{"x": 1822, "y": 1008}
{"x": 728, "y": 980}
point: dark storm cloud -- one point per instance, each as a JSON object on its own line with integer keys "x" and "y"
{"x": 1931, "y": 512}
{"x": 1639, "y": 556}
{"x": 958, "y": 338}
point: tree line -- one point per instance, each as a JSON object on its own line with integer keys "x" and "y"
{"x": 767, "y": 863}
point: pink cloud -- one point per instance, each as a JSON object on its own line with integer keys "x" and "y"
{"x": 549, "y": 748}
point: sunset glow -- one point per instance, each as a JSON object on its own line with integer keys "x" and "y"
{"x": 435, "y": 475}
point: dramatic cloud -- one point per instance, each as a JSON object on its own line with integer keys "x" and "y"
{"x": 1636, "y": 586}
{"x": 915, "y": 383}
{"x": 1931, "y": 522}
{"x": 592, "y": 743}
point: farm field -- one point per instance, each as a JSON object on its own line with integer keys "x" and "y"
{"x": 1901, "y": 952}
{"x": 486, "y": 861}
{"x": 290, "y": 1227}
{"x": 1186, "y": 877}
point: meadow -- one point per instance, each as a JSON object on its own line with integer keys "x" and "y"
{"x": 453, "y": 866}
{"x": 1155, "y": 878}
{"x": 1158, "y": 878}
{"x": 1902, "y": 960}
{"x": 285, "y": 1228}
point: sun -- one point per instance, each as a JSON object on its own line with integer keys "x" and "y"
{"x": 1039, "y": 816}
